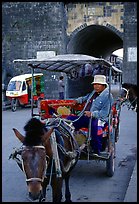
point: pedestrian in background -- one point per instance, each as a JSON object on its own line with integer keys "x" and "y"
{"x": 61, "y": 87}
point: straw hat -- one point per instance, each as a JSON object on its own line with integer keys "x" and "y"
{"x": 99, "y": 79}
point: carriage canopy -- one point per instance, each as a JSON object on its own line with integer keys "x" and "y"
{"x": 67, "y": 63}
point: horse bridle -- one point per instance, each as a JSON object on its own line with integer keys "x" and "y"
{"x": 131, "y": 102}
{"x": 34, "y": 178}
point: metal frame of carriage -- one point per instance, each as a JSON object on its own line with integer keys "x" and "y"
{"x": 70, "y": 64}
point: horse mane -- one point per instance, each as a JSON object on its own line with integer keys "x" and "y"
{"x": 34, "y": 129}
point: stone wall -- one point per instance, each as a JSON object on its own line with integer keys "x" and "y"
{"x": 90, "y": 13}
{"x": 28, "y": 27}
{"x": 130, "y": 43}
{"x": 121, "y": 15}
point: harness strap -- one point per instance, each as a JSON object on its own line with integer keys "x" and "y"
{"x": 34, "y": 179}
{"x": 55, "y": 154}
{"x": 51, "y": 173}
{"x": 37, "y": 146}
{"x": 71, "y": 134}
{"x": 70, "y": 154}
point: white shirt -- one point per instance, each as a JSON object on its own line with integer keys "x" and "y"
{"x": 61, "y": 86}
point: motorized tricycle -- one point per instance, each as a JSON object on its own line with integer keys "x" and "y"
{"x": 20, "y": 88}
{"x": 80, "y": 70}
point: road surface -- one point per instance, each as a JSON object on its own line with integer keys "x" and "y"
{"x": 89, "y": 182}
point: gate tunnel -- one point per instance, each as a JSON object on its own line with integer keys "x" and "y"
{"x": 96, "y": 40}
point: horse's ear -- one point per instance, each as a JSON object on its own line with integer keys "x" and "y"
{"x": 18, "y": 135}
{"x": 47, "y": 135}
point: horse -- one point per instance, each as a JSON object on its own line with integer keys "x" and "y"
{"x": 49, "y": 153}
{"x": 131, "y": 96}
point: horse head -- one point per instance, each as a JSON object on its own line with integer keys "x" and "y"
{"x": 34, "y": 155}
{"x": 39, "y": 154}
{"x": 131, "y": 96}
{"x": 34, "y": 165}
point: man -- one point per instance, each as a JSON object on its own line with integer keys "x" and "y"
{"x": 95, "y": 113}
{"x": 61, "y": 87}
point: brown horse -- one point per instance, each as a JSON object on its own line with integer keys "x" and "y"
{"x": 48, "y": 156}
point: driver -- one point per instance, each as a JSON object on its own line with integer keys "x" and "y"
{"x": 95, "y": 113}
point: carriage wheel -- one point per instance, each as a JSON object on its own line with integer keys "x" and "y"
{"x": 117, "y": 133}
{"x": 117, "y": 128}
{"x": 110, "y": 163}
{"x": 14, "y": 104}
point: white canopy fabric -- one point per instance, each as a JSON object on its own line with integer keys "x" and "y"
{"x": 66, "y": 63}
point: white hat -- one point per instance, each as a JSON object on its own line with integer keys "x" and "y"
{"x": 99, "y": 79}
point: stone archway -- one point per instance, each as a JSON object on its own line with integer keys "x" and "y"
{"x": 95, "y": 40}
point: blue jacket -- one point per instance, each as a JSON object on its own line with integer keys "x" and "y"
{"x": 100, "y": 107}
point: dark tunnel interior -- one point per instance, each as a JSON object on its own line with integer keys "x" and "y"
{"x": 95, "y": 40}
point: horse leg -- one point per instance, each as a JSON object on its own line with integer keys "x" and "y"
{"x": 57, "y": 189}
{"x": 67, "y": 189}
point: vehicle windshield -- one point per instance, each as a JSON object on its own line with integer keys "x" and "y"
{"x": 14, "y": 86}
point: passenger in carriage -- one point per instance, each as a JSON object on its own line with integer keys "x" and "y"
{"x": 95, "y": 113}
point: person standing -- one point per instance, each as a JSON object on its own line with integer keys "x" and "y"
{"x": 29, "y": 90}
{"x": 61, "y": 87}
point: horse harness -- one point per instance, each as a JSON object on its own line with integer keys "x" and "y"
{"x": 20, "y": 161}
{"x": 64, "y": 129}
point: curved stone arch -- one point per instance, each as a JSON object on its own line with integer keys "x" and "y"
{"x": 95, "y": 40}
{"x": 120, "y": 34}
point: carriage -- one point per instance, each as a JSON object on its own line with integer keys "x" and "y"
{"x": 49, "y": 109}
{"x": 80, "y": 69}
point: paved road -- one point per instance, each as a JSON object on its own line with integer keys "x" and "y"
{"x": 89, "y": 182}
